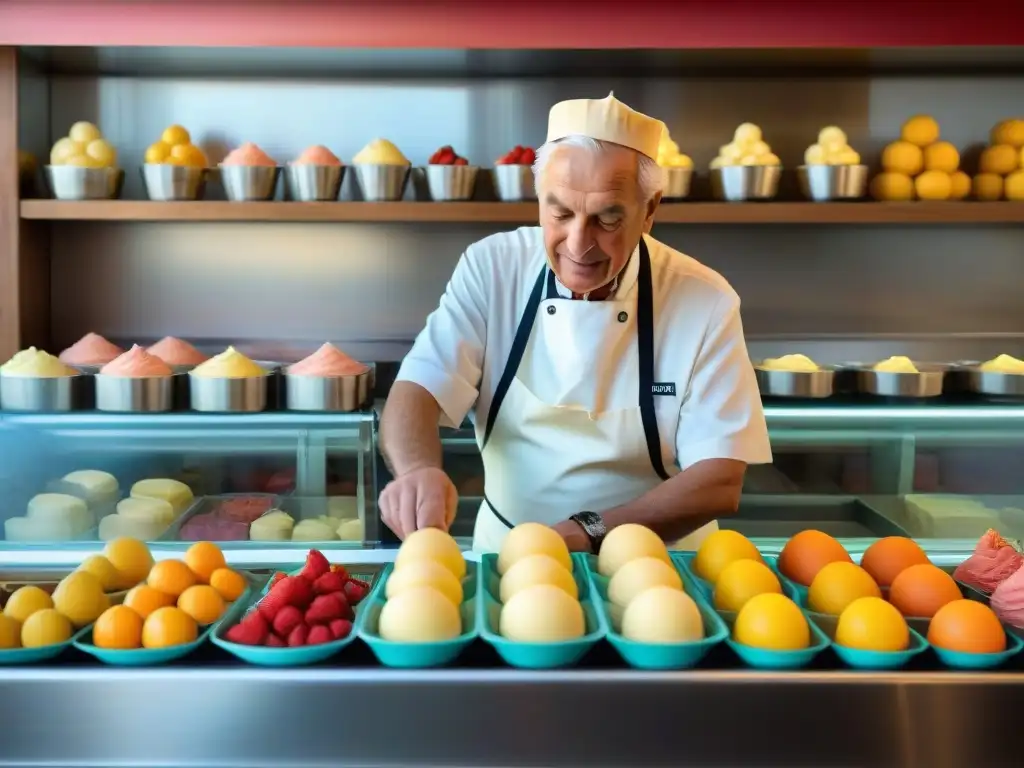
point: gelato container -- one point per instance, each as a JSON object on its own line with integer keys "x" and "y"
{"x": 72, "y": 182}
{"x": 451, "y": 182}
{"x": 316, "y": 174}
{"x": 677, "y": 183}
{"x": 229, "y": 383}
{"x": 327, "y": 380}
{"x": 744, "y": 183}
{"x": 90, "y": 352}
{"x": 925, "y": 381}
{"x": 823, "y": 183}
{"x": 34, "y": 380}
{"x": 135, "y": 382}
{"x": 382, "y": 171}
{"x": 166, "y": 182}
{"x": 514, "y": 183}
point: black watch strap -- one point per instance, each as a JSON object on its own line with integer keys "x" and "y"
{"x": 592, "y": 525}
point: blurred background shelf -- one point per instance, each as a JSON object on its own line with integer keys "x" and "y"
{"x": 523, "y": 213}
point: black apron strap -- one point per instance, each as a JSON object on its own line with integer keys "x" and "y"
{"x": 515, "y": 355}
{"x": 552, "y": 288}
{"x": 494, "y": 511}
{"x": 645, "y": 350}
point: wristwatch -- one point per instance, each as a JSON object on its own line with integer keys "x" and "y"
{"x": 592, "y": 525}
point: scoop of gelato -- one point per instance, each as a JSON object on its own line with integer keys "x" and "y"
{"x": 793, "y": 363}
{"x": 243, "y": 509}
{"x": 896, "y": 364}
{"x": 177, "y": 352}
{"x": 317, "y": 155}
{"x": 380, "y": 152}
{"x": 327, "y": 361}
{"x": 229, "y": 364}
{"x": 211, "y": 527}
{"x": 669, "y": 155}
{"x": 994, "y": 560}
{"x": 91, "y": 349}
{"x": 249, "y": 154}
{"x": 1003, "y": 364}
{"x": 35, "y": 363}
{"x": 136, "y": 363}
{"x": 1008, "y": 599}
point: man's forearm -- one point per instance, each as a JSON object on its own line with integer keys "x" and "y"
{"x": 409, "y": 437}
{"x": 682, "y": 504}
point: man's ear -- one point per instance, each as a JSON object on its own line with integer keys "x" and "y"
{"x": 652, "y": 207}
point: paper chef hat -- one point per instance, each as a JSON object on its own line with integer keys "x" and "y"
{"x": 606, "y": 119}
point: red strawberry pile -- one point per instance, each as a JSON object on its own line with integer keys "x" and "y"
{"x": 447, "y": 156}
{"x": 312, "y": 607}
{"x": 518, "y": 156}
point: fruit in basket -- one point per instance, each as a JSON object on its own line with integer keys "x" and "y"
{"x": 131, "y": 558}
{"x": 46, "y": 627}
{"x": 421, "y": 615}
{"x": 888, "y": 557}
{"x": 662, "y": 615}
{"x": 25, "y": 601}
{"x": 447, "y": 156}
{"x": 536, "y": 569}
{"x": 967, "y": 626}
{"x": 334, "y": 581}
{"x": 839, "y": 584}
{"x": 741, "y": 580}
{"x": 433, "y": 544}
{"x": 10, "y": 633}
{"x": 720, "y": 549}
{"x": 532, "y": 539}
{"x": 292, "y": 590}
{"x": 81, "y": 598}
{"x": 629, "y": 542}
{"x": 921, "y": 590}
{"x": 541, "y": 614}
{"x": 167, "y": 627}
{"x": 425, "y": 573}
{"x": 229, "y": 584}
{"x": 203, "y": 603}
{"x": 518, "y": 155}
{"x": 638, "y": 576}
{"x": 808, "y": 552}
{"x": 871, "y": 624}
{"x": 941, "y": 156}
{"x": 118, "y": 627}
{"x": 203, "y": 558}
{"x": 143, "y": 599}
{"x": 104, "y": 570}
{"x": 773, "y": 622}
{"x": 251, "y": 630}
{"x": 171, "y": 577}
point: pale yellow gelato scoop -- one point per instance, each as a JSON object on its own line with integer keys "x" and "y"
{"x": 380, "y": 152}
{"x": 275, "y": 525}
{"x": 669, "y": 155}
{"x": 896, "y": 364}
{"x": 1003, "y": 364}
{"x": 794, "y": 363}
{"x": 229, "y": 364}
{"x": 315, "y": 529}
{"x": 831, "y": 149}
{"x": 35, "y": 363}
{"x": 747, "y": 147}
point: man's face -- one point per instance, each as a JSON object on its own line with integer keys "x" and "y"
{"x": 592, "y": 214}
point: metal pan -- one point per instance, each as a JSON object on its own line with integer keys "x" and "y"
{"x": 807, "y": 384}
{"x": 28, "y": 393}
{"x": 927, "y": 382}
{"x": 993, "y": 383}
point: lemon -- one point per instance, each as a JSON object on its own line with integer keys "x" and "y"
{"x": 1014, "y": 186}
{"x": 84, "y": 132}
{"x": 189, "y": 155}
{"x": 960, "y": 185}
{"x": 65, "y": 149}
{"x": 872, "y": 624}
{"x": 892, "y": 186}
{"x": 47, "y": 627}
{"x": 131, "y": 557}
{"x": 102, "y": 569}
{"x": 720, "y": 549}
{"x": 25, "y": 601}
{"x": 999, "y": 158}
{"x": 933, "y": 185}
{"x": 987, "y": 186}
{"x": 81, "y": 598}
{"x": 83, "y": 161}
{"x": 157, "y": 152}
{"x": 174, "y": 135}
{"x": 903, "y": 157}
{"x": 10, "y": 632}
{"x": 941, "y": 156}
{"x": 839, "y": 584}
{"x": 773, "y": 622}
{"x": 921, "y": 130}
{"x": 742, "y": 580}
{"x": 1009, "y": 132}
{"x": 101, "y": 151}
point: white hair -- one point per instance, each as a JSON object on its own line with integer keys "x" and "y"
{"x": 649, "y": 174}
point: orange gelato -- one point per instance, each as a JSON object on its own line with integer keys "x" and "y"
{"x": 177, "y": 352}
{"x": 326, "y": 362}
{"x": 91, "y": 349}
{"x": 994, "y": 560}
{"x": 136, "y": 363}
{"x": 317, "y": 155}
{"x": 249, "y": 154}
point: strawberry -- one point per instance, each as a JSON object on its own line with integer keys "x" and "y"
{"x": 298, "y": 636}
{"x": 276, "y": 578}
{"x": 434, "y": 158}
{"x": 340, "y": 628}
{"x": 319, "y": 635}
{"x": 324, "y": 609}
{"x": 316, "y": 566}
{"x": 340, "y": 569}
{"x": 273, "y": 641}
{"x": 328, "y": 583}
{"x": 356, "y": 590}
{"x": 346, "y": 606}
{"x": 287, "y": 619}
{"x": 461, "y": 161}
{"x": 252, "y": 630}
{"x": 528, "y": 157}
{"x": 291, "y": 590}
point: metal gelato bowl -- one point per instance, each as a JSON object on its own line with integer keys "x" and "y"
{"x": 70, "y": 182}
{"x": 822, "y": 183}
{"x": 308, "y": 183}
{"x": 121, "y": 394}
{"x": 451, "y": 182}
{"x": 514, "y": 183}
{"x": 26, "y": 393}
{"x": 173, "y": 182}
{"x": 217, "y": 395}
{"x": 244, "y": 183}
{"x": 677, "y": 183}
{"x": 379, "y": 183}
{"x": 742, "y": 183}
{"x": 327, "y": 393}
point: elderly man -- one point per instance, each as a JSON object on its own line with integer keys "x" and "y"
{"x": 607, "y": 373}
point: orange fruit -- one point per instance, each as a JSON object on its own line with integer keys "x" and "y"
{"x": 771, "y": 621}
{"x": 167, "y": 627}
{"x": 921, "y": 590}
{"x": 143, "y": 599}
{"x": 887, "y": 558}
{"x": 202, "y": 603}
{"x": 118, "y": 627}
{"x": 81, "y": 598}
{"x": 807, "y": 553}
{"x": 967, "y": 626}
{"x": 204, "y": 557}
{"x": 131, "y": 558}
{"x": 720, "y": 549}
{"x": 839, "y": 584}
{"x": 229, "y": 584}
{"x": 871, "y": 624}
{"x": 171, "y": 577}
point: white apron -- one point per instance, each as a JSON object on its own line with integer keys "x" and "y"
{"x": 544, "y": 462}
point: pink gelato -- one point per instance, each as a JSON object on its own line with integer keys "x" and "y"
{"x": 177, "y": 352}
{"x": 136, "y": 363}
{"x": 327, "y": 361}
{"x": 317, "y": 155}
{"x": 249, "y": 154}
{"x": 1008, "y": 600}
{"x": 243, "y": 509}
{"x": 994, "y": 560}
{"x": 211, "y": 527}
{"x": 91, "y": 349}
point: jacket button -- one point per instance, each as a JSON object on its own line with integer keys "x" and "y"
{"x": 551, "y": 309}
{"x": 623, "y": 317}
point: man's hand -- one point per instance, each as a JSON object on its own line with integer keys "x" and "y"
{"x": 423, "y": 498}
{"x": 575, "y": 537}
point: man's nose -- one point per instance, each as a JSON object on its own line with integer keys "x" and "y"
{"x": 579, "y": 240}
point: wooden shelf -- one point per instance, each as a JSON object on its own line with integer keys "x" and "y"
{"x": 951, "y": 213}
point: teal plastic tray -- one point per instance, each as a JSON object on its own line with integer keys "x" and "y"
{"x": 538, "y": 655}
{"x": 683, "y": 562}
{"x": 12, "y": 656}
{"x": 763, "y": 658}
{"x": 961, "y": 660}
{"x": 860, "y": 659}
{"x": 147, "y": 657}
{"x": 658, "y": 655}
{"x": 421, "y": 655}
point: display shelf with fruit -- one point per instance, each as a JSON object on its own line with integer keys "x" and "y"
{"x": 174, "y": 168}
{"x": 450, "y": 177}
{"x": 1001, "y": 165}
{"x": 832, "y": 169}
{"x": 513, "y": 175}
{"x": 83, "y": 166}
{"x": 918, "y": 166}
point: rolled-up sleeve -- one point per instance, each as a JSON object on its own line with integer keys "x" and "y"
{"x": 448, "y": 354}
{"x": 721, "y": 416}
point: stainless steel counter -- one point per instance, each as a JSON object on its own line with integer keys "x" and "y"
{"x": 214, "y": 713}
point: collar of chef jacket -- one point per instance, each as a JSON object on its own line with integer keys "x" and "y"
{"x": 627, "y": 279}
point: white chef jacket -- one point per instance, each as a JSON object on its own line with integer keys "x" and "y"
{"x": 716, "y": 410}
